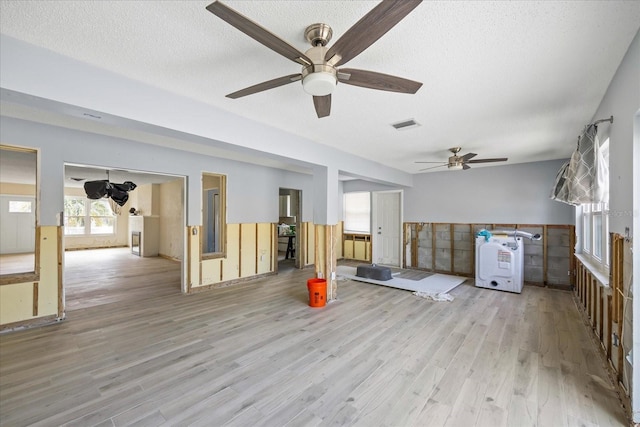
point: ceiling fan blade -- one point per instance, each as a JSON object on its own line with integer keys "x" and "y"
{"x": 280, "y": 81}
{"x": 501, "y": 159}
{"x": 379, "y": 81}
{"x": 369, "y": 28}
{"x": 258, "y": 33}
{"x": 467, "y": 157}
{"x": 465, "y": 166}
{"x": 323, "y": 105}
{"x": 432, "y": 167}
{"x": 429, "y": 162}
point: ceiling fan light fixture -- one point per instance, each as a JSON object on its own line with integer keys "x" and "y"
{"x": 455, "y": 166}
{"x": 320, "y": 83}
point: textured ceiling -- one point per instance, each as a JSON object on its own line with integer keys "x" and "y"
{"x": 515, "y": 79}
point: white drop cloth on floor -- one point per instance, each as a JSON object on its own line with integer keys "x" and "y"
{"x": 435, "y": 286}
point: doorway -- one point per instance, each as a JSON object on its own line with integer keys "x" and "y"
{"x": 289, "y": 225}
{"x": 103, "y": 262}
{"x": 386, "y": 222}
{"x": 212, "y": 218}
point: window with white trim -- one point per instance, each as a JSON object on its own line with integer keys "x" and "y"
{"x": 86, "y": 217}
{"x": 20, "y": 206}
{"x": 594, "y": 226}
{"x": 357, "y": 212}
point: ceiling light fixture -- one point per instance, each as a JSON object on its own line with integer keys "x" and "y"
{"x": 455, "y": 166}
{"x": 320, "y": 83}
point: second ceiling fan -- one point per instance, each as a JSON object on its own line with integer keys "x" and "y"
{"x": 456, "y": 162}
{"x": 320, "y": 73}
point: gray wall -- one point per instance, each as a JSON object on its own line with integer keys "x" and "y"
{"x": 252, "y": 191}
{"x": 622, "y": 100}
{"x": 502, "y": 194}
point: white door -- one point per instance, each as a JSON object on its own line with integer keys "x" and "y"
{"x": 18, "y": 224}
{"x": 387, "y": 226}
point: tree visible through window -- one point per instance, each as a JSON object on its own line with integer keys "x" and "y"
{"x": 20, "y": 206}
{"x": 88, "y": 217}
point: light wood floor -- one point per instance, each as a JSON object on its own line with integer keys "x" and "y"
{"x": 256, "y": 354}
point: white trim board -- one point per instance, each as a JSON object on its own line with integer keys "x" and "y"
{"x": 434, "y": 284}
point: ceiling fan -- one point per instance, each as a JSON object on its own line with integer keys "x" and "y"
{"x": 320, "y": 73}
{"x": 456, "y": 162}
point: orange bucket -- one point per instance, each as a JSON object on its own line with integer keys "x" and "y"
{"x": 317, "y": 292}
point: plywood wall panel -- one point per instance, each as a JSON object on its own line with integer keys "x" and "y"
{"x": 339, "y": 235}
{"x": 311, "y": 243}
{"x": 49, "y": 274}
{"x": 171, "y": 219}
{"x": 16, "y": 302}
{"x": 231, "y": 264}
{"x": 248, "y": 238}
{"x": 211, "y": 271}
{"x": 264, "y": 247}
{"x": 194, "y": 248}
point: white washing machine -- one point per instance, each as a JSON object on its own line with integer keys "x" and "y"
{"x": 499, "y": 263}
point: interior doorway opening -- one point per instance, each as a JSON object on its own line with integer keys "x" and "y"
{"x": 116, "y": 248}
{"x": 289, "y": 226}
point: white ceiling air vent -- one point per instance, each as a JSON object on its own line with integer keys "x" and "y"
{"x": 405, "y": 124}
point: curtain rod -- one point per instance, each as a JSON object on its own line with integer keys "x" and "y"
{"x": 610, "y": 119}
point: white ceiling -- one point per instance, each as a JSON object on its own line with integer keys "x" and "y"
{"x": 502, "y": 79}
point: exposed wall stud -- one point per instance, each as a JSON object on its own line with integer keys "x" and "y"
{"x": 35, "y": 299}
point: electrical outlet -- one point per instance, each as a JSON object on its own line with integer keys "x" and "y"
{"x": 333, "y": 275}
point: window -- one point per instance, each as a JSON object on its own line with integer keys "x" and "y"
{"x": 20, "y": 206}
{"x": 84, "y": 217}
{"x": 357, "y": 212}
{"x": 214, "y": 215}
{"x": 594, "y": 225}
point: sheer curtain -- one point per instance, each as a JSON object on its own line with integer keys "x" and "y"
{"x": 584, "y": 178}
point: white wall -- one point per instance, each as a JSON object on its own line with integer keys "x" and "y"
{"x": 252, "y": 190}
{"x": 622, "y": 101}
{"x": 500, "y": 194}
